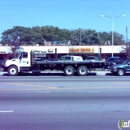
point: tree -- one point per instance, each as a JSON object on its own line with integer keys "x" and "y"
{"x": 50, "y": 33}
{"x": 88, "y": 37}
{"x": 74, "y": 37}
{"x": 21, "y": 35}
{"x": 118, "y": 39}
{"x": 10, "y": 36}
{"x": 106, "y": 38}
{"x": 91, "y": 37}
{"x": 38, "y": 35}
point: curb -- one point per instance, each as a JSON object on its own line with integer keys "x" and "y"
{"x": 93, "y": 73}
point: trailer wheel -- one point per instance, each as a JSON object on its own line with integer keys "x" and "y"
{"x": 13, "y": 71}
{"x": 82, "y": 71}
{"x": 69, "y": 70}
{"x": 121, "y": 72}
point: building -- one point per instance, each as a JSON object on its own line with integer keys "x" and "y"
{"x": 57, "y": 51}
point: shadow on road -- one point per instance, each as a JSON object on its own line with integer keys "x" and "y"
{"x": 110, "y": 74}
{"x": 62, "y": 74}
{"x": 52, "y": 74}
{"x": 46, "y": 74}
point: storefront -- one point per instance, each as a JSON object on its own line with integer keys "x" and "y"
{"x": 55, "y": 52}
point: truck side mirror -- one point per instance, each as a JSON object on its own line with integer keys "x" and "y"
{"x": 20, "y": 56}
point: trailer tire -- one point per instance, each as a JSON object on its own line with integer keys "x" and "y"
{"x": 121, "y": 72}
{"x": 69, "y": 70}
{"x": 13, "y": 70}
{"x": 82, "y": 71}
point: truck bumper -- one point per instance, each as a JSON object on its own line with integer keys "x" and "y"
{"x": 5, "y": 69}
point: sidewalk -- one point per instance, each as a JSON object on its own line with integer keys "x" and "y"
{"x": 100, "y": 73}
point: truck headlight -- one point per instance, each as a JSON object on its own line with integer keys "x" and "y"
{"x": 3, "y": 63}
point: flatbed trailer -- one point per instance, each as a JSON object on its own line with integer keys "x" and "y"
{"x": 34, "y": 61}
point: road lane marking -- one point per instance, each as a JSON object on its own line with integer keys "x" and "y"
{"x": 31, "y": 85}
{"x": 122, "y": 82}
{"x": 6, "y": 111}
{"x": 96, "y": 87}
{"x": 59, "y": 88}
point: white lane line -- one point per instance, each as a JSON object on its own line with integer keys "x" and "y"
{"x": 31, "y": 85}
{"x": 6, "y": 111}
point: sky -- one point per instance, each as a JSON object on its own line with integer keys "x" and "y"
{"x": 67, "y": 14}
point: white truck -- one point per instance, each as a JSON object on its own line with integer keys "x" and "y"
{"x": 34, "y": 60}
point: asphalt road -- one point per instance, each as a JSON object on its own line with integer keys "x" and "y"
{"x": 64, "y": 103}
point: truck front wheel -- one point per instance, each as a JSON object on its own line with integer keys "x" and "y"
{"x": 82, "y": 71}
{"x": 120, "y": 72}
{"x": 13, "y": 71}
{"x": 69, "y": 71}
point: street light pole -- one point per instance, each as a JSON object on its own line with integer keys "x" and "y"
{"x": 112, "y": 18}
{"x": 79, "y": 36}
{"x": 112, "y": 35}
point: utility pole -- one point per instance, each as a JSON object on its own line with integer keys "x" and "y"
{"x": 79, "y": 36}
{"x": 126, "y": 34}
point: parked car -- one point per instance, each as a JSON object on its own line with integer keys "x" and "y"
{"x": 121, "y": 69}
{"x": 113, "y": 61}
{"x": 70, "y": 58}
{"x": 92, "y": 58}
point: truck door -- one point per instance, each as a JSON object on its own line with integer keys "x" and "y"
{"x": 24, "y": 60}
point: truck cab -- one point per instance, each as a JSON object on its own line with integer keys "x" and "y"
{"x": 22, "y": 62}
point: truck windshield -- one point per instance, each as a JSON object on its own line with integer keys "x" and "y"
{"x": 16, "y": 56}
{"x": 126, "y": 62}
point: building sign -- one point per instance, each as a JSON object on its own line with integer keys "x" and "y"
{"x": 2, "y": 52}
{"x": 5, "y": 52}
{"x": 81, "y": 50}
{"x": 39, "y": 53}
{"x": 74, "y": 50}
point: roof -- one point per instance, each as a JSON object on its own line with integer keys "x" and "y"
{"x": 5, "y": 50}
